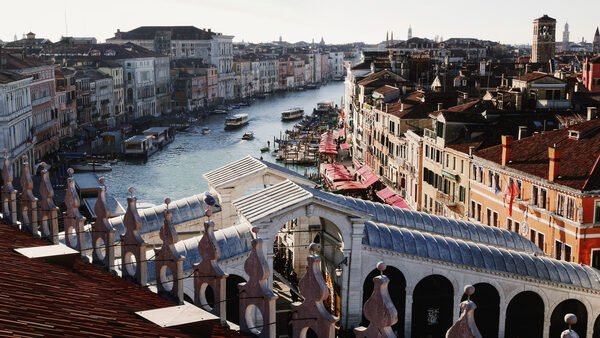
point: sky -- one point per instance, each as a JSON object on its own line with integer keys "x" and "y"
{"x": 508, "y": 21}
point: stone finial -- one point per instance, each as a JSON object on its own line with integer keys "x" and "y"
{"x": 9, "y": 194}
{"x": 168, "y": 261}
{"x": 256, "y": 294}
{"x": 208, "y": 273}
{"x": 133, "y": 248}
{"x": 103, "y": 234}
{"x": 28, "y": 205}
{"x": 570, "y": 319}
{"x": 465, "y": 326}
{"x": 379, "y": 309}
{"x": 48, "y": 210}
{"x": 311, "y": 313}
{"x": 74, "y": 221}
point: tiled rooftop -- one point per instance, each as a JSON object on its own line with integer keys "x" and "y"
{"x": 530, "y": 155}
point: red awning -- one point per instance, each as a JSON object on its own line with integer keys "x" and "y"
{"x": 327, "y": 144}
{"x": 371, "y": 180}
{"x": 352, "y": 185}
{"x": 385, "y": 193}
{"x": 397, "y": 201}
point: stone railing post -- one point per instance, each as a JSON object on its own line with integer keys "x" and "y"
{"x": 48, "y": 210}
{"x": 379, "y": 310}
{"x": 74, "y": 221}
{"x": 570, "y": 319}
{"x": 208, "y": 273}
{"x": 9, "y": 194}
{"x": 465, "y": 326}
{"x": 29, "y": 206}
{"x": 311, "y": 313}
{"x": 134, "y": 265}
{"x": 257, "y": 300}
{"x": 103, "y": 234}
{"x": 168, "y": 263}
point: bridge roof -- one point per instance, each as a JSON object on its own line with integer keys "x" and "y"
{"x": 271, "y": 200}
{"x": 421, "y": 221}
{"x": 452, "y": 250}
{"x": 250, "y": 166}
{"x": 234, "y": 171}
{"x": 183, "y": 210}
{"x": 234, "y": 240}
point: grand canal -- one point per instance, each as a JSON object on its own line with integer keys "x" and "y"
{"x": 176, "y": 171}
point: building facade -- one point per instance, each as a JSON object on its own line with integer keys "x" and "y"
{"x": 16, "y": 118}
{"x": 544, "y": 189}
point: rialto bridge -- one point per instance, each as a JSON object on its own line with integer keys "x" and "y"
{"x": 520, "y": 292}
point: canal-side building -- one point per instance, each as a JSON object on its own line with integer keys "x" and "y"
{"x": 66, "y": 102}
{"x": 44, "y": 131}
{"x": 16, "y": 118}
{"x": 545, "y": 188}
{"x": 182, "y": 42}
{"x": 115, "y": 71}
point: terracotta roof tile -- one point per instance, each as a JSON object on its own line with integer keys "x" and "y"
{"x": 44, "y": 299}
{"x": 580, "y": 158}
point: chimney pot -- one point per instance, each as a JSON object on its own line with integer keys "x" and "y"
{"x": 471, "y": 150}
{"x": 554, "y": 162}
{"x": 592, "y": 113}
{"x": 522, "y": 132}
{"x": 507, "y": 141}
{"x": 440, "y": 106}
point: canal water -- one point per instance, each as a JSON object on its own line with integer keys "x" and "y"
{"x": 176, "y": 171}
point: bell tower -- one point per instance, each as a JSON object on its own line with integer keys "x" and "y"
{"x": 544, "y": 39}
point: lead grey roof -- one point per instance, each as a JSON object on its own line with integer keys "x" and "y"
{"x": 436, "y": 247}
{"x": 430, "y": 223}
{"x": 273, "y": 199}
{"x": 233, "y": 171}
{"x": 183, "y": 210}
{"x": 233, "y": 241}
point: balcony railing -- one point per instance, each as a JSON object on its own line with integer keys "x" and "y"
{"x": 448, "y": 200}
{"x": 429, "y": 133}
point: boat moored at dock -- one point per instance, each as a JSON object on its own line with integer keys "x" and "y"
{"x": 161, "y": 136}
{"x": 139, "y": 146}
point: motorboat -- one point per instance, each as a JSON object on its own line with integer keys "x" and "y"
{"x": 249, "y": 135}
{"x": 264, "y": 149}
{"x": 221, "y": 111}
{"x": 205, "y": 130}
{"x": 92, "y": 166}
{"x": 292, "y": 114}
{"x": 236, "y": 121}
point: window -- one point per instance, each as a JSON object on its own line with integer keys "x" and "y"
{"x": 596, "y": 258}
{"x": 597, "y": 212}
{"x": 490, "y": 178}
{"x": 558, "y": 249}
{"x": 480, "y": 175}
{"x": 538, "y": 196}
{"x": 462, "y": 166}
{"x": 532, "y": 234}
{"x": 567, "y": 253}
{"x": 565, "y": 206}
{"x": 540, "y": 238}
{"x": 461, "y": 193}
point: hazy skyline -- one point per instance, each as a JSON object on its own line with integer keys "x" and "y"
{"x": 336, "y": 21}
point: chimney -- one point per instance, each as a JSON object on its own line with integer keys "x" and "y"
{"x": 440, "y": 106}
{"x": 507, "y": 141}
{"x": 592, "y": 113}
{"x": 471, "y": 150}
{"x": 522, "y": 132}
{"x": 401, "y": 106}
{"x": 386, "y": 107}
{"x": 554, "y": 162}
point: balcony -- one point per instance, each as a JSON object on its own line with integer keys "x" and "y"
{"x": 448, "y": 200}
{"x": 429, "y": 133}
